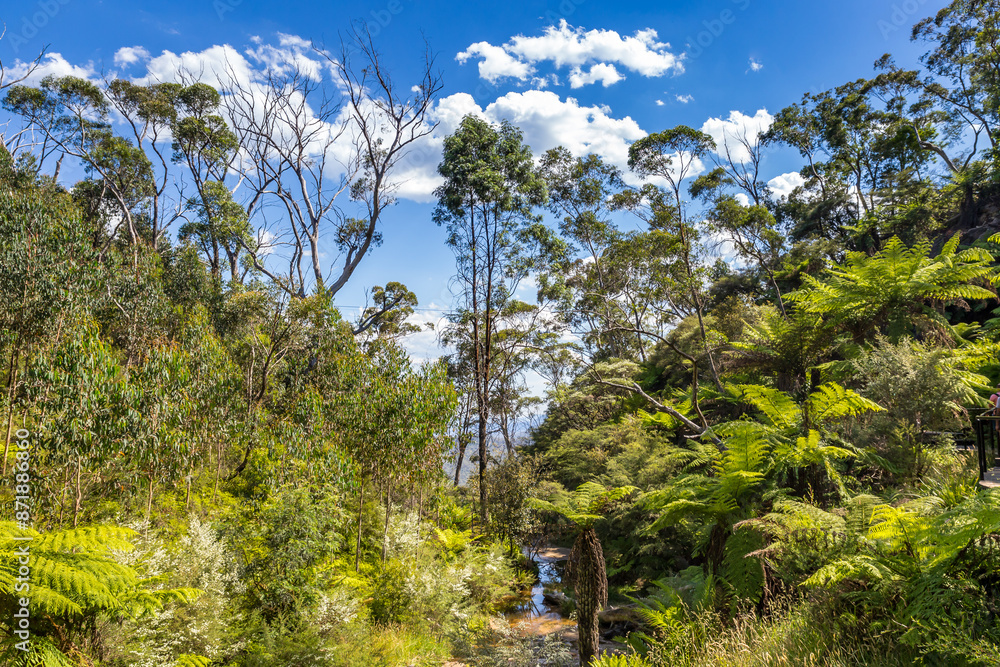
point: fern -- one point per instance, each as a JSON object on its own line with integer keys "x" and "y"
{"x": 73, "y": 577}
{"x": 831, "y": 401}
{"x": 587, "y": 503}
{"x": 777, "y": 407}
{"x": 895, "y": 289}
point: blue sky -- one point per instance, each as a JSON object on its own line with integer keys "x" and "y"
{"x": 597, "y": 75}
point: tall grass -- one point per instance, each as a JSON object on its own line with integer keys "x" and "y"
{"x": 794, "y": 636}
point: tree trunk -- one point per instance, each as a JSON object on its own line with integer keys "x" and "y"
{"x": 482, "y": 469}
{"x": 385, "y": 528}
{"x": 590, "y": 583}
{"x": 361, "y": 509}
{"x": 462, "y": 444}
{"x": 218, "y": 473}
{"x": 79, "y": 491}
{"x": 62, "y": 496}
{"x": 149, "y": 503}
{"x": 11, "y": 388}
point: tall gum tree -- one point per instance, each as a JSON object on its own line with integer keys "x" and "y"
{"x": 487, "y": 204}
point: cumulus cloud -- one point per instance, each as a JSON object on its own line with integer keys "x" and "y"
{"x": 53, "y": 64}
{"x": 423, "y": 345}
{"x": 602, "y": 72}
{"x": 782, "y": 186}
{"x": 208, "y": 66}
{"x": 129, "y": 55}
{"x": 292, "y": 53}
{"x": 574, "y": 48}
{"x": 546, "y": 120}
{"x": 549, "y": 121}
{"x": 660, "y": 103}
{"x": 755, "y": 65}
{"x": 737, "y": 130}
{"x": 496, "y": 63}
{"x": 685, "y": 99}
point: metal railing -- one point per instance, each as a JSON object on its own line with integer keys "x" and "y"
{"x": 987, "y": 441}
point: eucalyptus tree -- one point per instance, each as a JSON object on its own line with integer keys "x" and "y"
{"x": 752, "y": 229}
{"x": 306, "y": 151}
{"x": 83, "y": 396}
{"x": 596, "y": 290}
{"x": 45, "y": 273}
{"x": 962, "y": 64}
{"x": 387, "y": 317}
{"x": 487, "y": 204}
{"x": 73, "y": 115}
{"x": 867, "y": 172}
{"x": 204, "y": 143}
{"x": 672, "y": 156}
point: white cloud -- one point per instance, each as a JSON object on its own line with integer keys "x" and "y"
{"x": 129, "y": 55}
{"x": 208, "y": 66}
{"x": 53, "y": 64}
{"x": 548, "y": 121}
{"x": 660, "y": 103}
{"x": 496, "y": 63}
{"x": 266, "y": 242}
{"x": 566, "y": 46}
{"x": 731, "y": 132}
{"x": 423, "y": 345}
{"x": 602, "y": 72}
{"x": 755, "y": 65}
{"x": 292, "y": 54}
{"x": 685, "y": 99}
{"x": 782, "y": 186}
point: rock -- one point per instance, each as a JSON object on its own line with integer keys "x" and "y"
{"x": 557, "y": 598}
{"x": 626, "y": 614}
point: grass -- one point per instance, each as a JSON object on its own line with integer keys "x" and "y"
{"x": 360, "y": 645}
{"x": 794, "y": 637}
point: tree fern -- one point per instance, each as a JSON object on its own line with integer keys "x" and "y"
{"x": 74, "y": 579}
{"x": 899, "y": 288}
{"x": 586, "y": 567}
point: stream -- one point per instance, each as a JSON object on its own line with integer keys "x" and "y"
{"x": 537, "y": 613}
{"x": 533, "y": 615}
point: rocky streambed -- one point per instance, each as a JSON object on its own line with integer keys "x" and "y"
{"x": 543, "y": 610}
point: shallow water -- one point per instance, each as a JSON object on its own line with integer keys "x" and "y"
{"x": 532, "y": 615}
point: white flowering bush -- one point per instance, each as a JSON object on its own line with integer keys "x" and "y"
{"x": 425, "y": 580}
{"x": 199, "y": 559}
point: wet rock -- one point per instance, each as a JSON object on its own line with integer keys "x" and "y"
{"x": 626, "y": 614}
{"x": 556, "y": 598}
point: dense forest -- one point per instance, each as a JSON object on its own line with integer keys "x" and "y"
{"x": 757, "y": 443}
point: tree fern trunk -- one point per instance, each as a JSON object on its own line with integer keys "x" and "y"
{"x": 587, "y": 568}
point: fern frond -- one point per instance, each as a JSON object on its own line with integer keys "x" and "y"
{"x": 777, "y": 406}
{"x": 831, "y": 401}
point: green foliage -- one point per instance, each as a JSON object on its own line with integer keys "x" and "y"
{"x": 899, "y": 290}
{"x": 391, "y": 602}
{"x": 586, "y": 504}
{"x": 284, "y": 545}
{"x": 74, "y": 583}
